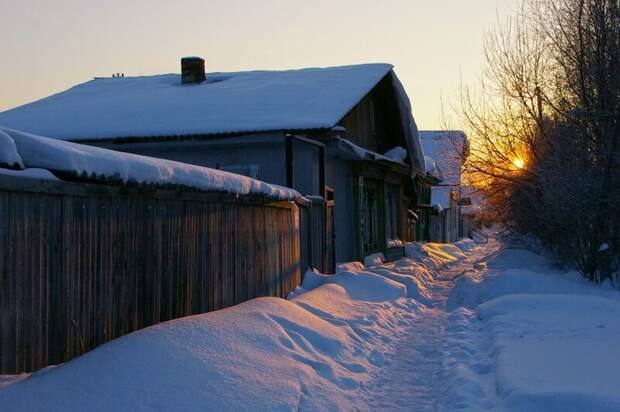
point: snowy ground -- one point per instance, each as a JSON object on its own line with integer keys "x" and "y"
{"x": 522, "y": 336}
{"x": 452, "y": 328}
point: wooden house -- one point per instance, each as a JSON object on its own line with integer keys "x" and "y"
{"x": 342, "y": 136}
{"x": 447, "y": 151}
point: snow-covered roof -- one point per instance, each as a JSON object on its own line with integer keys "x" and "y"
{"x": 239, "y": 102}
{"x": 109, "y": 166}
{"x": 446, "y": 149}
{"x": 149, "y": 106}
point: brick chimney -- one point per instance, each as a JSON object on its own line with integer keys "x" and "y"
{"x": 192, "y": 70}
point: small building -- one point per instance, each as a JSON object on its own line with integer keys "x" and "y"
{"x": 338, "y": 135}
{"x": 445, "y": 151}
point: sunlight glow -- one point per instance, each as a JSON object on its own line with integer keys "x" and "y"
{"x": 519, "y": 163}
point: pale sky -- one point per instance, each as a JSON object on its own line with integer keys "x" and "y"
{"x": 48, "y": 46}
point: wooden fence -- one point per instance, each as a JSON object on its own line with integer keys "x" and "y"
{"x": 444, "y": 226}
{"x": 317, "y": 223}
{"x": 83, "y": 264}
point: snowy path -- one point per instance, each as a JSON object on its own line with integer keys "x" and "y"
{"x": 499, "y": 329}
{"x": 412, "y": 378}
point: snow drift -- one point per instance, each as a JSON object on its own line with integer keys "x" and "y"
{"x": 434, "y": 255}
{"x": 315, "y": 351}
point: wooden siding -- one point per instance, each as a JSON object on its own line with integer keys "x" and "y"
{"x": 374, "y": 123}
{"x": 83, "y": 264}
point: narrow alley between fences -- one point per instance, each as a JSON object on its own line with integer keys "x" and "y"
{"x": 414, "y": 378}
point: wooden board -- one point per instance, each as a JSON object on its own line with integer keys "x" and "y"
{"x": 81, "y": 265}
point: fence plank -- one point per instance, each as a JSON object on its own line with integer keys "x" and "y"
{"x": 81, "y": 266}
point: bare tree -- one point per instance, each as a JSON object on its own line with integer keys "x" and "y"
{"x": 545, "y": 128}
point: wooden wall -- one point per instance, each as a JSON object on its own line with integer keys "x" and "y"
{"x": 374, "y": 123}
{"x": 83, "y": 264}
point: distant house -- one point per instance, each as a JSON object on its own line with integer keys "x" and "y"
{"x": 471, "y": 207}
{"x": 425, "y": 211}
{"x": 445, "y": 150}
{"x": 345, "y": 134}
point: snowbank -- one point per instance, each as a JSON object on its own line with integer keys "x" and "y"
{"x": 312, "y": 353}
{"x": 125, "y": 168}
{"x": 522, "y": 336}
{"x": 546, "y": 346}
{"x": 433, "y": 255}
{"x": 316, "y": 351}
{"x": 415, "y": 270}
{"x": 417, "y": 281}
{"x": 374, "y": 259}
{"x": 465, "y": 244}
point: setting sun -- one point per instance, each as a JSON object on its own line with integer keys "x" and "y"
{"x": 519, "y": 163}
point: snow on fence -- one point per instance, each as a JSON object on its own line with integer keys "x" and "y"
{"x": 82, "y": 264}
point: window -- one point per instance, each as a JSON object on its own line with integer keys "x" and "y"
{"x": 368, "y": 216}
